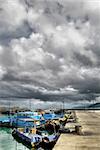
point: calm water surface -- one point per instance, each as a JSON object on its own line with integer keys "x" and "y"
{"x": 7, "y": 142}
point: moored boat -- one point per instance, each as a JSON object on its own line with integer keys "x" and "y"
{"x": 27, "y": 137}
{"x": 32, "y": 137}
{"x": 4, "y": 122}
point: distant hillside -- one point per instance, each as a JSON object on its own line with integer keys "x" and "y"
{"x": 89, "y": 106}
{"x": 96, "y": 105}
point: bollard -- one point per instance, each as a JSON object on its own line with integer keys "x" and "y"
{"x": 78, "y": 129}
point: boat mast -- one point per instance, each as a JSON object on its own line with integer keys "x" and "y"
{"x": 30, "y": 104}
{"x": 9, "y": 108}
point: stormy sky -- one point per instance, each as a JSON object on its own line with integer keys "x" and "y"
{"x": 50, "y": 49}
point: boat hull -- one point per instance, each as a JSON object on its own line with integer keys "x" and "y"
{"x": 23, "y": 139}
{"x": 44, "y": 142}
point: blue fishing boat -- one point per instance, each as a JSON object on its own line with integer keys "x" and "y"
{"x": 23, "y": 119}
{"x": 4, "y": 121}
{"x": 35, "y": 138}
{"x": 27, "y": 136}
{"x": 52, "y": 116}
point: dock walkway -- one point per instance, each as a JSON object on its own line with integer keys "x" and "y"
{"x": 89, "y": 140}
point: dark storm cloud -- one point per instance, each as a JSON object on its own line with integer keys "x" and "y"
{"x": 50, "y": 49}
{"x": 23, "y": 31}
{"x": 83, "y": 60}
{"x": 91, "y": 86}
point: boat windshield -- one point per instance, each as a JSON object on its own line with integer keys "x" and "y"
{"x": 26, "y": 114}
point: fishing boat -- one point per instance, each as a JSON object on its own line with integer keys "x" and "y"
{"x": 20, "y": 119}
{"x": 4, "y": 122}
{"x": 27, "y": 137}
{"x": 35, "y": 138}
{"x": 52, "y": 116}
{"x": 26, "y": 122}
{"x": 23, "y": 119}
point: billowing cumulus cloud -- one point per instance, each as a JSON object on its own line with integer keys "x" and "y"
{"x": 50, "y": 49}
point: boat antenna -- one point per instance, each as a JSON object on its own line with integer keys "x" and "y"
{"x": 30, "y": 104}
{"x": 9, "y": 108}
{"x": 63, "y": 107}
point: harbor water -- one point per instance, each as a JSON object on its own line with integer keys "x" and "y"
{"x": 7, "y": 142}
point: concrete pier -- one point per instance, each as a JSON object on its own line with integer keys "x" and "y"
{"x": 89, "y": 140}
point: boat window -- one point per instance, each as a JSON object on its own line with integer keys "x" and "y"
{"x": 37, "y": 139}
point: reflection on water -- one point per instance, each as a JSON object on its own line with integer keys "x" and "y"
{"x": 8, "y": 143}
